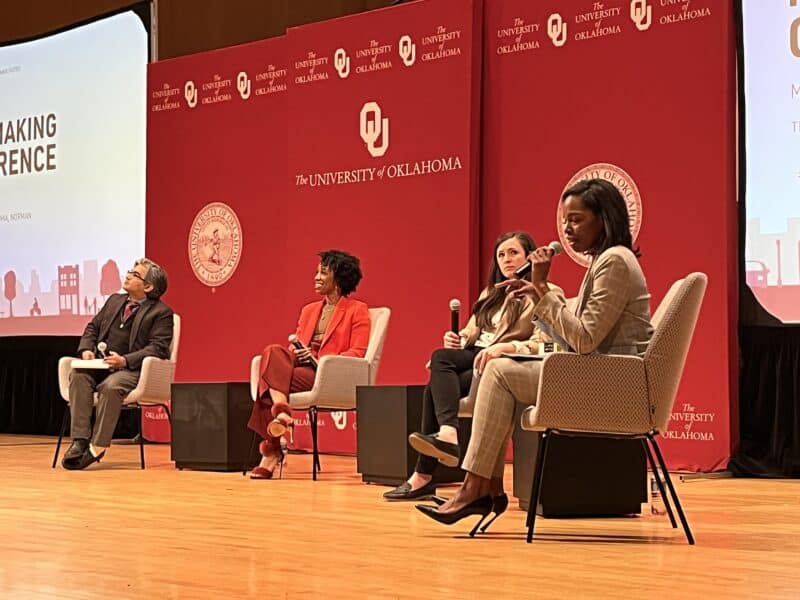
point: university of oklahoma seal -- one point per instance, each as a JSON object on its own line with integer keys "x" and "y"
{"x": 215, "y": 244}
{"x": 623, "y": 182}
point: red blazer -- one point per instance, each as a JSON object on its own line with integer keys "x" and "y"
{"x": 348, "y": 330}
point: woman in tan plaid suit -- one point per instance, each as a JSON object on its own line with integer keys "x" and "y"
{"x": 499, "y": 323}
{"x": 611, "y": 315}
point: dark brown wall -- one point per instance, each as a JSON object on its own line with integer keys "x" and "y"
{"x": 184, "y": 26}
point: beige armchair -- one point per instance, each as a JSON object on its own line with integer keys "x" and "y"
{"x": 336, "y": 380}
{"x": 153, "y": 388}
{"x": 620, "y": 396}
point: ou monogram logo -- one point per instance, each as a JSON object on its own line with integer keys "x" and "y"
{"x": 339, "y": 419}
{"x": 407, "y": 50}
{"x": 641, "y": 14}
{"x": 341, "y": 63}
{"x": 557, "y": 29}
{"x": 243, "y": 85}
{"x": 190, "y": 93}
{"x": 373, "y": 126}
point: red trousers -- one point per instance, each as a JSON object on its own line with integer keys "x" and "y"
{"x": 278, "y": 372}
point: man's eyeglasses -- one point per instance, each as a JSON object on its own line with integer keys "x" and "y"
{"x": 133, "y": 273}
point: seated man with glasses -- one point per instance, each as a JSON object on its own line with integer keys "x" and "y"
{"x": 130, "y": 327}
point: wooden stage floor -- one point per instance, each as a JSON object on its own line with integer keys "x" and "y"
{"x": 115, "y": 531}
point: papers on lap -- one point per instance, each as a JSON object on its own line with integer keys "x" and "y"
{"x": 515, "y": 356}
{"x": 95, "y": 363}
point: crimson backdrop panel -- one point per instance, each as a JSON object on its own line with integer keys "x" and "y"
{"x": 640, "y": 92}
{"x": 217, "y": 205}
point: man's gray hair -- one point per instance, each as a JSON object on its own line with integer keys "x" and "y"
{"x": 155, "y": 276}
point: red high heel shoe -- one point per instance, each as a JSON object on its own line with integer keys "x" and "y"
{"x": 282, "y": 425}
{"x": 270, "y": 447}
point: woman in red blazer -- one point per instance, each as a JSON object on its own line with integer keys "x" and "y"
{"x": 335, "y": 325}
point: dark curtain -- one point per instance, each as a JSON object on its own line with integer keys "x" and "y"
{"x": 769, "y": 403}
{"x": 30, "y": 402}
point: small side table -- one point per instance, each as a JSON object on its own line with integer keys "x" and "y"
{"x": 209, "y": 426}
{"x": 583, "y": 476}
{"x": 386, "y": 415}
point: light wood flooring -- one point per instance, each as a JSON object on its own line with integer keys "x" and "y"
{"x": 114, "y": 531}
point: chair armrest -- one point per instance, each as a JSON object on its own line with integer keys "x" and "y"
{"x": 155, "y": 382}
{"x": 336, "y": 381}
{"x": 64, "y": 369}
{"x": 255, "y": 372}
{"x": 595, "y": 393}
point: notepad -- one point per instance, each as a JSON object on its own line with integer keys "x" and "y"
{"x": 95, "y": 363}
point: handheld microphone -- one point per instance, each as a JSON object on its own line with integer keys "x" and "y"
{"x": 295, "y": 341}
{"x": 101, "y": 349}
{"x": 455, "y": 307}
{"x": 554, "y": 247}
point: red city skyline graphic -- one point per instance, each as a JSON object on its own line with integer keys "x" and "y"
{"x": 63, "y": 307}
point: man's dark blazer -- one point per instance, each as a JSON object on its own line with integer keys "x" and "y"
{"x": 151, "y": 332}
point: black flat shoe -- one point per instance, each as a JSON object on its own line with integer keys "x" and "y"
{"x": 480, "y": 506}
{"x": 446, "y": 453}
{"x": 404, "y": 492}
{"x": 77, "y": 448}
{"x": 83, "y": 461}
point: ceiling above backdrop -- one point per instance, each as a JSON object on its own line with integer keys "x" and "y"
{"x": 183, "y": 26}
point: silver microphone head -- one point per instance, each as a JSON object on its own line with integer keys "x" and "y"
{"x": 292, "y": 338}
{"x": 102, "y": 347}
{"x": 455, "y": 304}
{"x": 555, "y": 247}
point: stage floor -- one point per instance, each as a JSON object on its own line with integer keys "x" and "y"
{"x": 115, "y": 531}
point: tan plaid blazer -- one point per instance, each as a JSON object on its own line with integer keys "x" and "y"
{"x": 611, "y": 314}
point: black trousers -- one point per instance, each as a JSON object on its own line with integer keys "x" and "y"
{"x": 451, "y": 376}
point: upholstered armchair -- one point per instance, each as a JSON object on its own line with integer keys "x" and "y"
{"x": 620, "y": 396}
{"x": 153, "y": 388}
{"x": 336, "y": 380}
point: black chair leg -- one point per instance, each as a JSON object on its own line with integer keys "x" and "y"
{"x": 660, "y": 484}
{"x": 61, "y": 436}
{"x": 169, "y": 415}
{"x": 681, "y": 516}
{"x": 246, "y": 460}
{"x": 141, "y": 437}
{"x": 312, "y": 417}
{"x": 536, "y": 487}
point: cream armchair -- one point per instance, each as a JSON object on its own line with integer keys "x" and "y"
{"x": 620, "y": 396}
{"x": 153, "y": 389}
{"x": 336, "y": 380}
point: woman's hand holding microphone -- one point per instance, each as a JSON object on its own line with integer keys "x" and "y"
{"x": 451, "y": 340}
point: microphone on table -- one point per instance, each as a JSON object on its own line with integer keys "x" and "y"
{"x": 101, "y": 349}
{"x": 295, "y": 341}
{"x": 455, "y": 307}
{"x": 554, "y": 247}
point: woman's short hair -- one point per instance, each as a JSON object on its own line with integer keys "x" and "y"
{"x": 345, "y": 267}
{"x": 605, "y": 200}
{"x": 155, "y": 276}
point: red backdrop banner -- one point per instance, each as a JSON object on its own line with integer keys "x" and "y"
{"x": 641, "y": 92}
{"x": 216, "y": 205}
{"x": 363, "y": 134}
{"x": 383, "y": 146}
{"x": 382, "y": 142}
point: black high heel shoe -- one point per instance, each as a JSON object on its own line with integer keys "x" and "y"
{"x": 499, "y": 506}
{"x": 480, "y": 506}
